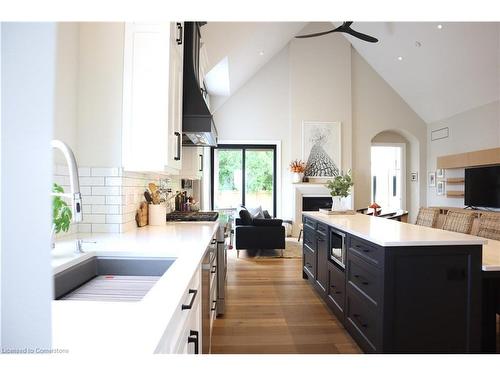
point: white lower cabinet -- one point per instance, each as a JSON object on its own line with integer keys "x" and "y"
{"x": 183, "y": 334}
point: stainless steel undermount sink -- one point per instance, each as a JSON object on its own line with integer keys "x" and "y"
{"x": 110, "y": 278}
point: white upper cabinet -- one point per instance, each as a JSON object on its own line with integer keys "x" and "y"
{"x": 152, "y": 97}
{"x": 192, "y": 163}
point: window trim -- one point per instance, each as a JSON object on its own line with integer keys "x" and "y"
{"x": 243, "y": 148}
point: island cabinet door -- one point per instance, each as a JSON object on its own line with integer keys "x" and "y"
{"x": 321, "y": 263}
{"x": 432, "y": 299}
{"x": 336, "y": 290}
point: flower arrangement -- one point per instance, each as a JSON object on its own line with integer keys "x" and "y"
{"x": 341, "y": 185}
{"x": 297, "y": 166}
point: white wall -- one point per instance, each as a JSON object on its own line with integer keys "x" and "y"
{"x": 324, "y": 79}
{"x": 260, "y": 111}
{"x": 472, "y": 130}
{"x": 66, "y": 88}
{"x": 377, "y": 107}
{"x": 320, "y": 86}
{"x": 28, "y": 65}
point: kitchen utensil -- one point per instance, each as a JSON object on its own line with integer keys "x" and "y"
{"x": 148, "y": 197}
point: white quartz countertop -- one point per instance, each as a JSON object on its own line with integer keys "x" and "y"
{"x": 387, "y": 233}
{"x": 390, "y": 233}
{"x": 129, "y": 327}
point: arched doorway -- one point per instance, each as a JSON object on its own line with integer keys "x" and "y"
{"x": 394, "y": 156}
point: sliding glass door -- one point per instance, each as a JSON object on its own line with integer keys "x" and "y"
{"x": 244, "y": 174}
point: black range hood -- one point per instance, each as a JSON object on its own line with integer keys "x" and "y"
{"x": 198, "y": 128}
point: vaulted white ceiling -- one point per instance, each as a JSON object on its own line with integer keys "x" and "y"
{"x": 455, "y": 68}
{"x": 450, "y": 70}
{"x": 248, "y": 46}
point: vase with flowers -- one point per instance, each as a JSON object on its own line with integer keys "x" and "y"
{"x": 340, "y": 187}
{"x": 297, "y": 167}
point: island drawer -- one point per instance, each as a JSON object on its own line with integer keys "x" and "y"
{"x": 336, "y": 290}
{"x": 363, "y": 276}
{"x": 366, "y": 250}
{"x": 310, "y": 239}
{"x": 323, "y": 228}
{"x": 361, "y": 320}
{"x": 310, "y": 262}
{"x": 310, "y": 223}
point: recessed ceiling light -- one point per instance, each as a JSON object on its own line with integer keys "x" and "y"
{"x": 261, "y": 53}
{"x": 439, "y": 26}
{"x": 400, "y": 58}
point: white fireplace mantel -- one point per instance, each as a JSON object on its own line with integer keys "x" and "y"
{"x": 311, "y": 190}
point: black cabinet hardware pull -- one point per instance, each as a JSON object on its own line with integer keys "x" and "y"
{"x": 214, "y": 269}
{"x": 178, "y": 156}
{"x": 338, "y": 292}
{"x": 201, "y": 163}
{"x": 356, "y": 276}
{"x": 194, "y": 292}
{"x": 365, "y": 282}
{"x": 215, "y": 306}
{"x": 179, "y": 35}
{"x": 194, "y": 338}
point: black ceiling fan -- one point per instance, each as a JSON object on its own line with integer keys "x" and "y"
{"x": 344, "y": 28}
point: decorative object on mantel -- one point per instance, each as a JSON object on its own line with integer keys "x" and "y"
{"x": 375, "y": 207}
{"x": 440, "y": 173}
{"x": 141, "y": 216}
{"x": 440, "y": 188}
{"x": 340, "y": 187}
{"x": 321, "y": 145}
{"x": 432, "y": 179}
{"x": 331, "y": 212}
{"x": 297, "y": 167}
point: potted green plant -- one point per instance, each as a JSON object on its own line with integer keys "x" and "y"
{"x": 340, "y": 187}
{"x": 61, "y": 213}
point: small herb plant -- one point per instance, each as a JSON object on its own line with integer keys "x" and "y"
{"x": 61, "y": 213}
{"x": 341, "y": 185}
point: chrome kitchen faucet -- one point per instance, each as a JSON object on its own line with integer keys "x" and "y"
{"x": 74, "y": 195}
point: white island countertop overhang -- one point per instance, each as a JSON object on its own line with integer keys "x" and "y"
{"x": 128, "y": 327}
{"x": 392, "y": 233}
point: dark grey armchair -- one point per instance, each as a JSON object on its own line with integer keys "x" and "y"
{"x": 259, "y": 233}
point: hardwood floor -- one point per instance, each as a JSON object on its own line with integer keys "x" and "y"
{"x": 270, "y": 309}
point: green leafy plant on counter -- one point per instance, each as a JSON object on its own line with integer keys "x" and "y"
{"x": 61, "y": 213}
{"x": 341, "y": 185}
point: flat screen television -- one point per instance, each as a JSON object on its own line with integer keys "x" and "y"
{"x": 482, "y": 187}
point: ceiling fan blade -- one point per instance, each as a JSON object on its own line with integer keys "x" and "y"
{"x": 316, "y": 34}
{"x": 366, "y": 38}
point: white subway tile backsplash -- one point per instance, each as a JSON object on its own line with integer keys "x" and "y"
{"x": 125, "y": 227}
{"x": 106, "y": 209}
{"x": 106, "y": 190}
{"x": 84, "y": 171}
{"x": 110, "y": 196}
{"x": 93, "y": 199}
{"x": 92, "y": 181}
{"x": 85, "y": 190}
{"x": 105, "y": 172}
{"x": 115, "y": 219}
{"x": 114, "y": 181}
{"x": 84, "y": 228}
{"x": 114, "y": 199}
{"x": 94, "y": 219}
{"x": 106, "y": 228}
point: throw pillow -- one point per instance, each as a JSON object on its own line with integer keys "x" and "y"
{"x": 256, "y": 212}
{"x": 246, "y": 218}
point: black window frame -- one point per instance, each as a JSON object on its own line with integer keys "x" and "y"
{"x": 243, "y": 148}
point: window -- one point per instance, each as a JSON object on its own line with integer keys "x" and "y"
{"x": 244, "y": 174}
